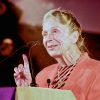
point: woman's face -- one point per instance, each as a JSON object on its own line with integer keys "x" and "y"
{"x": 56, "y": 38}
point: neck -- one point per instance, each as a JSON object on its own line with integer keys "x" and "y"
{"x": 61, "y": 61}
{"x": 73, "y": 54}
{"x": 70, "y": 57}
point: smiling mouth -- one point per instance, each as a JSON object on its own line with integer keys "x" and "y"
{"x": 52, "y": 47}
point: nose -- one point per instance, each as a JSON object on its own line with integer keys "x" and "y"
{"x": 50, "y": 36}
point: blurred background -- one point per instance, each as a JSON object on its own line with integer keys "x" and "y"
{"x": 21, "y": 26}
{"x": 86, "y": 11}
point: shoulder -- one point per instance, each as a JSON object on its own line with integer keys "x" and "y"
{"x": 87, "y": 63}
{"x": 47, "y": 70}
{"x": 89, "y": 68}
{"x": 86, "y": 71}
{"x": 88, "y": 77}
{"x": 43, "y": 75}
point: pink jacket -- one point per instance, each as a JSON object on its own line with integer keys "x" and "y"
{"x": 84, "y": 80}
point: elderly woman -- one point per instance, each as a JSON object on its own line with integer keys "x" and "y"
{"x": 75, "y": 70}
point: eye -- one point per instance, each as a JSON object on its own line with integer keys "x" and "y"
{"x": 55, "y": 31}
{"x": 44, "y": 33}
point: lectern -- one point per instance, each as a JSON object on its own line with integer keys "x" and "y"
{"x": 37, "y": 93}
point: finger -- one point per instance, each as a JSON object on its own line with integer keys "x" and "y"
{"x": 15, "y": 75}
{"x": 26, "y": 63}
{"x": 17, "y": 81}
{"x": 20, "y": 67}
{"x": 16, "y": 70}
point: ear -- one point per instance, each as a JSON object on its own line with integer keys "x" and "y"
{"x": 2, "y": 8}
{"x": 74, "y": 37}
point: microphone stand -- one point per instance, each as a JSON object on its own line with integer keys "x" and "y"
{"x": 33, "y": 83}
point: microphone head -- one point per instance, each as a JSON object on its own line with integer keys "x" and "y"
{"x": 48, "y": 81}
{"x": 33, "y": 43}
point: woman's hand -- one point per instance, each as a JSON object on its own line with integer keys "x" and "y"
{"x": 22, "y": 73}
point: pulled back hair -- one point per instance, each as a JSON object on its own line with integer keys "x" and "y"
{"x": 66, "y": 18}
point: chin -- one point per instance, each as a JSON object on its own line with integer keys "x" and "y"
{"x": 54, "y": 54}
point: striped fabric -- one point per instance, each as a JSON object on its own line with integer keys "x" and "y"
{"x": 61, "y": 76}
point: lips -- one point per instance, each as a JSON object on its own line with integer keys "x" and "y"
{"x": 52, "y": 46}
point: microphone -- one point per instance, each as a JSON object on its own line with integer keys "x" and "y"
{"x": 48, "y": 82}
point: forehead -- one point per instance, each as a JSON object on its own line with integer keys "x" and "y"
{"x": 53, "y": 23}
{"x": 8, "y": 41}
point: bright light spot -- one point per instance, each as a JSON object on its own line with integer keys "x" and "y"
{"x": 33, "y": 10}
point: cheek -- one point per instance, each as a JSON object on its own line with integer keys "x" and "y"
{"x": 61, "y": 37}
{"x": 44, "y": 42}
{"x": 65, "y": 44}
